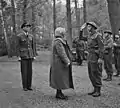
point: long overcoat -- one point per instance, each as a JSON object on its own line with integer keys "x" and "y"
{"x": 60, "y": 73}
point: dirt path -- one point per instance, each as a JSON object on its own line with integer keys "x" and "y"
{"x": 42, "y": 96}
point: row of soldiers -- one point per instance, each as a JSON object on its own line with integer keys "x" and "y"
{"x": 111, "y": 52}
{"x": 111, "y": 49}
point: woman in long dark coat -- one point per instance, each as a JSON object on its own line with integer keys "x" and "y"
{"x": 61, "y": 64}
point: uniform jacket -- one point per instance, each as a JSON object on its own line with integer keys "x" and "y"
{"x": 95, "y": 47}
{"x": 117, "y": 47}
{"x": 60, "y": 73}
{"x": 108, "y": 45}
{"x": 25, "y": 46}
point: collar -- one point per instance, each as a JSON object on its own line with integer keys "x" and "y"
{"x": 26, "y": 33}
{"x": 93, "y": 35}
{"x": 63, "y": 41}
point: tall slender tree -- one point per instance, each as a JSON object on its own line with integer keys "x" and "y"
{"x": 24, "y": 10}
{"x": 54, "y": 15}
{"x": 77, "y": 12}
{"x": 14, "y": 26}
{"x": 33, "y": 26}
{"x": 3, "y": 5}
{"x": 84, "y": 11}
{"x": 114, "y": 15}
{"x": 69, "y": 24}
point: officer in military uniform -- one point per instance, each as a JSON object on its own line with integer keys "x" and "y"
{"x": 108, "y": 46}
{"x": 95, "y": 48}
{"x": 26, "y": 53}
{"x": 117, "y": 54}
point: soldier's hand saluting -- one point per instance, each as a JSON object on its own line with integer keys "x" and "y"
{"x": 83, "y": 26}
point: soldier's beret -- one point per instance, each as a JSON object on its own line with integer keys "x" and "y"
{"x": 92, "y": 24}
{"x": 25, "y": 25}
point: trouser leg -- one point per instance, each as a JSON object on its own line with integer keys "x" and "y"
{"x": 118, "y": 63}
{"x": 94, "y": 74}
{"x": 29, "y": 73}
{"x": 108, "y": 64}
{"x": 115, "y": 60}
{"x": 24, "y": 72}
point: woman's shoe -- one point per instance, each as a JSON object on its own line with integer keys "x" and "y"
{"x": 61, "y": 96}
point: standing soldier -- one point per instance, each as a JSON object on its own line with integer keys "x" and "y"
{"x": 117, "y": 54}
{"x": 80, "y": 45}
{"x": 108, "y": 45}
{"x": 95, "y": 48}
{"x": 26, "y": 54}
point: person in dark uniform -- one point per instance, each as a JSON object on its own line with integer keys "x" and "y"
{"x": 95, "y": 48}
{"x": 26, "y": 53}
{"x": 117, "y": 54}
{"x": 80, "y": 45}
{"x": 108, "y": 46}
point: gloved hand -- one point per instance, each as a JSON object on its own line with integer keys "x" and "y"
{"x": 19, "y": 59}
{"x": 68, "y": 64}
{"x": 100, "y": 60}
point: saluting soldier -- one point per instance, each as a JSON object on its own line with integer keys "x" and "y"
{"x": 117, "y": 54}
{"x": 95, "y": 48}
{"x": 108, "y": 46}
{"x": 26, "y": 53}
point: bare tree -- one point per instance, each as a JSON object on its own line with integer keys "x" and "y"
{"x": 114, "y": 15}
{"x": 4, "y": 26}
{"x": 33, "y": 27}
{"x": 54, "y": 15}
{"x": 77, "y": 12}
{"x": 84, "y": 11}
{"x": 69, "y": 25}
{"x": 14, "y": 26}
{"x": 24, "y": 12}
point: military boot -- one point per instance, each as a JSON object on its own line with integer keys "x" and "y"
{"x": 109, "y": 78}
{"x": 117, "y": 74}
{"x": 92, "y": 91}
{"x": 98, "y": 92}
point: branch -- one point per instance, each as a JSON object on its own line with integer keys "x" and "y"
{"x": 36, "y": 4}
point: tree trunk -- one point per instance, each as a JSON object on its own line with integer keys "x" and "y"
{"x": 33, "y": 27}
{"x": 4, "y": 28}
{"x": 114, "y": 15}
{"x": 69, "y": 25}
{"x": 77, "y": 12}
{"x": 24, "y": 10}
{"x": 54, "y": 15}
{"x": 14, "y": 28}
{"x": 84, "y": 11}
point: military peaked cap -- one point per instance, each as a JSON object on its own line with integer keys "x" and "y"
{"x": 25, "y": 25}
